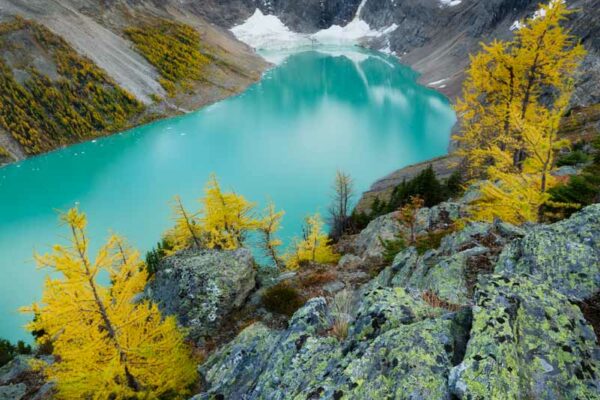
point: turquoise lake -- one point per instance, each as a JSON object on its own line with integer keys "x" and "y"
{"x": 282, "y": 139}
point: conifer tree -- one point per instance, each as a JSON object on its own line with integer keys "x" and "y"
{"x": 225, "y": 217}
{"x": 513, "y": 99}
{"x": 408, "y": 216}
{"x": 108, "y": 342}
{"x": 268, "y": 228}
{"x": 314, "y": 247}
{"x": 187, "y": 232}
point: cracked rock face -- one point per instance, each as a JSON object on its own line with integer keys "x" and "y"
{"x": 202, "y": 287}
{"x": 511, "y": 333}
{"x": 527, "y": 341}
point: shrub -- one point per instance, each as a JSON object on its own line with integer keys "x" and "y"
{"x": 8, "y": 351}
{"x": 573, "y": 158}
{"x": 317, "y": 278}
{"x": 391, "y": 248}
{"x": 431, "y": 240}
{"x": 581, "y": 190}
{"x": 155, "y": 256}
{"x": 282, "y": 299}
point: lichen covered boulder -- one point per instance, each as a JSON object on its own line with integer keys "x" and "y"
{"x": 401, "y": 355}
{"x": 201, "y": 287}
{"x": 527, "y": 342}
{"x": 368, "y": 244}
{"x": 565, "y": 254}
{"x": 451, "y": 271}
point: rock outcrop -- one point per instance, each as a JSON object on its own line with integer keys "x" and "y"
{"x": 202, "y": 287}
{"x": 368, "y": 245}
{"x": 490, "y": 314}
{"x": 19, "y": 382}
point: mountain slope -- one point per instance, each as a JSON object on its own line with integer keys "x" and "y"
{"x": 96, "y": 31}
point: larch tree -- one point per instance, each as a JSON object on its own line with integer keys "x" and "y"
{"x": 339, "y": 211}
{"x": 225, "y": 217}
{"x": 187, "y": 232}
{"x": 269, "y": 225}
{"x": 109, "y": 342}
{"x": 223, "y": 221}
{"x": 408, "y": 216}
{"x": 513, "y": 99}
{"x": 314, "y": 247}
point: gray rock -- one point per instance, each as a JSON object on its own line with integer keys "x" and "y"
{"x": 368, "y": 244}
{"x": 333, "y": 287}
{"x": 350, "y": 261}
{"x": 566, "y": 170}
{"x": 14, "y": 368}
{"x": 202, "y": 287}
{"x": 566, "y": 255}
{"x": 522, "y": 338}
{"x": 527, "y": 341}
{"x": 13, "y": 392}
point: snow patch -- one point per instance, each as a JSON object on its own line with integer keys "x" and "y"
{"x": 450, "y": 3}
{"x": 267, "y": 32}
{"x": 437, "y": 83}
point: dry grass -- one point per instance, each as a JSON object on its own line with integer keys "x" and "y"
{"x": 435, "y": 301}
{"x": 341, "y": 309}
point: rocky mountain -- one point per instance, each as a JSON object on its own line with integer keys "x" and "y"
{"x": 433, "y": 36}
{"x": 96, "y": 32}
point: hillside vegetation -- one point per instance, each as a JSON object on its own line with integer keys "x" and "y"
{"x": 174, "y": 49}
{"x": 70, "y": 100}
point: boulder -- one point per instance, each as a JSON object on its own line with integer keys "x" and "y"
{"x": 201, "y": 287}
{"x": 451, "y": 271}
{"x": 565, "y": 254}
{"x": 490, "y": 314}
{"x": 13, "y": 392}
{"x": 405, "y": 355}
{"x": 368, "y": 244}
{"x": 527, "y": 342}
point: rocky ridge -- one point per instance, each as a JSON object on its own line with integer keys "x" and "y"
{"x": 492, "y": 313}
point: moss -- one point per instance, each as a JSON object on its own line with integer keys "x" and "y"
{"x": 174, "y": 49}
{"x": 282, "y": 299}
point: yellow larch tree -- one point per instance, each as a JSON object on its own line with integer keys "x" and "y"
{"x": 225, "y": 217}
{"x": 314, "y": 247}
{"x": 187, "y": 232}
{"x": 269, "y": 225}
{"x": 109, "y": 342}
{"x": 513, "y": 99}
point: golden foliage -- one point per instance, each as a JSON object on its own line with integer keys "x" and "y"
{"x": 513, "y": 98}
{"x": 314, "y": 247}
{"x": 42, "y": 114}
{"x": 223, "y": 221}
{"x": 187, "y": 232}
{"x": 174, "y": 49}
{"x": 109, "y": 343}
{"x": 408, "y": 216}
{"x": 268, "y": 227}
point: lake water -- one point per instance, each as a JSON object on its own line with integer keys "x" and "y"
{"x": 282, "y": 139}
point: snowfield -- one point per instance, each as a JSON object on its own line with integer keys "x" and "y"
{"x": 267, "y": 32}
